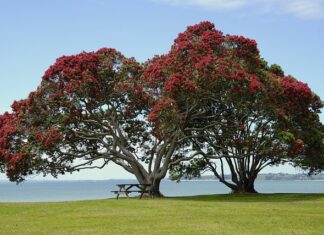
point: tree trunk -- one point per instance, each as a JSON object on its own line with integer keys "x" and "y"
{"x": 245, "y": 186}
{"x": 154, "y": 181}
{"x": 155, "y": 188}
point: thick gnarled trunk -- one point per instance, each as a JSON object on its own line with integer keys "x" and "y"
{"x": 156, "y": 168}
{"x": 245, "y": 186}
{"x": 154, "y": 180}
{"x": 155, "y": 187}
{"x": 153, "y": 190}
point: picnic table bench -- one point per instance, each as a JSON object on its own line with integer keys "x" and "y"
{"x": 131, "y": 188}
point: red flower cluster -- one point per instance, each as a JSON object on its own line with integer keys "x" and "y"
{"x": 17, "y": 105}
{"x": 9, "y": 152}
{"x": 242, "y": 47}
{"x": 205, "y": 63}
{"x": 83, "y": 72}
{"x": 164, "y": 104}
{"x": 240, "y": 75}
{"x": 153, "y": 73}
{"x": 72, "y": 67}
{"x": 254, "y": 84}
{"x": 16, "y": 157}
{"x": 177, "y": 82}
{"x": 297, "y": 147}
{"x": 48, "y": 138}
{"x": 242, "y": 41}
{"x": 201, "y": 27}
{"x": 293, "y": 88}
{"x": 212, "y": 37}
{"x": 7, "y": 129}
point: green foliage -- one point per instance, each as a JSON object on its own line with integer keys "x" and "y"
{"x": 286, "y": 137}
{"x": 264, "y": 64}
{"x": 187, "y": 170}
{"x": 276, "y": 69}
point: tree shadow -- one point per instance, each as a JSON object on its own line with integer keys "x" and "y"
{"x": 273, "y": 197}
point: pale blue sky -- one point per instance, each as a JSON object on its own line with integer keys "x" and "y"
{"x": 34, "y": 33}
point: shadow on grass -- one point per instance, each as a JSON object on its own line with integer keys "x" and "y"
{"x": 275, "y": 197}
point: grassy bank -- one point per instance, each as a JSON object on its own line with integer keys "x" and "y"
{"x": 216, "y": 214}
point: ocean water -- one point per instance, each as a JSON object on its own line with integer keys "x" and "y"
{"x": 32, "y": 191}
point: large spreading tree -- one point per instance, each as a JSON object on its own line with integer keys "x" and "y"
{"x": 89, "y": 110}
{"x": 238, "y": 112}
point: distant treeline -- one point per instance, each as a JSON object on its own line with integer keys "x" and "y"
{"x": 271, "y": 176}
{"x": 284, "y": 176}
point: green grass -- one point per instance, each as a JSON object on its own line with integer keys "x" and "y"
{"x": 214, "y": 214}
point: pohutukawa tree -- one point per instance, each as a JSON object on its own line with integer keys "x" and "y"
{"x": 209, "y": 103}
{"x": 89, "y": 110}
{"x": 235, "y": 109}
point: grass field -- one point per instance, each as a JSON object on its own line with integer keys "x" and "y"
{"x": 214, "y": 214}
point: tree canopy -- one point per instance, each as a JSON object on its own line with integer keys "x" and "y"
{"x": 90, "y": 109}
{"x": 236, "y": 110}
{"x": 211, "y": 102}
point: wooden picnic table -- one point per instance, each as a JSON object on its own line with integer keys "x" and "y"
{"x": 131, "y": 188}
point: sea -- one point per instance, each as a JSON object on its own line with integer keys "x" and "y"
{"x": 51, "y": 191}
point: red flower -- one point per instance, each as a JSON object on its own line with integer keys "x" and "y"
{"x": 254, "y": 84}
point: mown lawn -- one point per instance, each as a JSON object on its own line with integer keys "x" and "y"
{"x": 214, "y": 214}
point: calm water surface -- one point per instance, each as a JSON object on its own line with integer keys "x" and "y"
{"x": 31, "y": 191}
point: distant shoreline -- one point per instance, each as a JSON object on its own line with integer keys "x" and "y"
{"x": 272, "y": 176}
{"x": 267, "y": 176}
